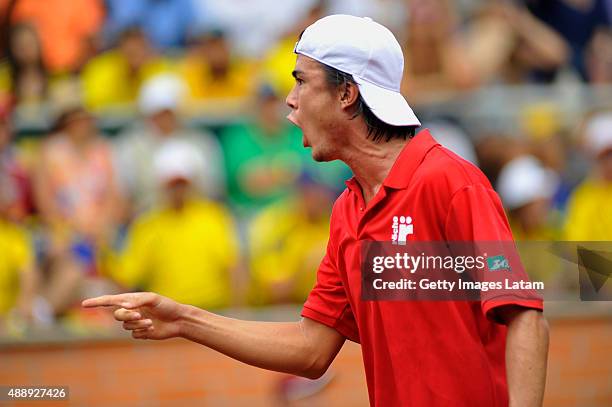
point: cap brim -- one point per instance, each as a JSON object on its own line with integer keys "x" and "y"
{"x": 388, "y": 105}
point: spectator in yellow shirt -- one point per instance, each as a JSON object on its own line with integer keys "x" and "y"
{"x": 286, "y": 243}
{"x": 113, "y": 79}
{"x": 187, "y": 248}
{"x": 589, "y": 215}
{"x": 526, "y": 188}
{"x": 212, "y": 73}
{"x": 280, "y": 59}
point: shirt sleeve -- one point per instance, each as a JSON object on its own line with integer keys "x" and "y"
{"x": 476, "y": 215}
{"x": 327, "y": 303}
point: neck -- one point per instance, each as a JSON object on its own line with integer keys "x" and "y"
{"x": 178, "y": 205}
{"x": 371, "y": 162}
{"x": 161, "y": 130}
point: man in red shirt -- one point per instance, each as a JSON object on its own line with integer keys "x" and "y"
{"x": 405, "y": 188}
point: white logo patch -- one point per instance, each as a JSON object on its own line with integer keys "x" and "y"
{"x": 401, "y": 228}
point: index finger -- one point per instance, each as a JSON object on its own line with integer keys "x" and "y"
{"x": 107, "y": 301}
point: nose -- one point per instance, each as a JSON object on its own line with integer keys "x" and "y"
{"x": 291, "y": 99}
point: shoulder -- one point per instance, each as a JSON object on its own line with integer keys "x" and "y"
{"x": 588, "y": 191}
{"x": 339, "y": 209}
{"x": 273, "y": 221}
{"x": 587, "y": 188}
{"x": 15, "y": 240}
{"x": 109, "y": 60}
{"x": 147, "y": 221}
{"x": 442, "y": 169}
{"x": 199, "y": 138}
{"x": 133, "y": 137}
{"x": 211, "y": 210}
{"x": 239, "y": 126}
{"x": 101, "y": 145}
{"x": 55, "y": 145}
{"x": 16, "y": 233}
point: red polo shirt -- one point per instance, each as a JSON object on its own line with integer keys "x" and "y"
{"x": 418, "y": 353}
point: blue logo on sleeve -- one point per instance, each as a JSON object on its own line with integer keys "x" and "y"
{"x": 498, "y": 263}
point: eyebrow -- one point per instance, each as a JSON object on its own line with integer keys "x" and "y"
{"x": 295, "y": 73}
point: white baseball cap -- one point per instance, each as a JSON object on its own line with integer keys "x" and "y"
{"x": 524, "y": 180}
{"x": 598, "y": 133}
{"x": 177, "y": 159}
{"x": 370, "y": 53}
{"x": 161, "y": 92}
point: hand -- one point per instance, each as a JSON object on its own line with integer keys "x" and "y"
{"x": 147, "y": 315}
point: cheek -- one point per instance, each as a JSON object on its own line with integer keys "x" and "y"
{"x": 315, "y": 106}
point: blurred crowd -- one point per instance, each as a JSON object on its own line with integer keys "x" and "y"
{"x": 238, "y": 214}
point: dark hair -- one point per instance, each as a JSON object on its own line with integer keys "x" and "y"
{"x": 66, "y": 116}
{"x": 377, "y": 129}
{"x": 129, "y": 32}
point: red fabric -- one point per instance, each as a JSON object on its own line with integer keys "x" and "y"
{"x": 418, "y": 353}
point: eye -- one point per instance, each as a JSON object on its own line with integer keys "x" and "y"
{"x": 299, "y": 81}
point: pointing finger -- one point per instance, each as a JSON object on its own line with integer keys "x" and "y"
{"x": 107, "y": 301}
{"x": 126, "y": 300}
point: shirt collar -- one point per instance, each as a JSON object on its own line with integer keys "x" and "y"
{"x": 406, "y": 163}
{"x": 409, "y": 160}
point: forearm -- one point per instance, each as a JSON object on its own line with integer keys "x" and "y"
{"x": 547, "y": 48}
{"x": 526, "y": 358}
{"x": 29, "y": 286}
{"x": 286, "y": 347}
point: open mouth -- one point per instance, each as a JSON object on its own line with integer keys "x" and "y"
{"x": 305, "y": 142}
{"x": 292, "y": 120}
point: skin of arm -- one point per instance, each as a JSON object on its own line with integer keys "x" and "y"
{"x": 42, "y": 189}
{"x": 526, "y": 355}
{"x": 30, "y": 281}
{"x": 542, "y": 46}
{"x": 305, "y": 348}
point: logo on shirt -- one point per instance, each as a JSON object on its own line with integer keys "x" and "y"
{"x": 498, "y": 263}
{"x": 401, "y": 228}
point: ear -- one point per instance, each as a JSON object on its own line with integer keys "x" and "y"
{"x": 349, "y": 93}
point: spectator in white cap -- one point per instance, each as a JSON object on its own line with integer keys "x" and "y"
{"x": 406, "y": 188}
{"x": 159, "y": 103}
{"x": 590, "y": 206}
{"x": 526, "y": 189}
{"x": 186, "y": 246}
{"x": 598, "y": 141}
{"x": 177, "y": 168}
{"x": 451, "y": 136}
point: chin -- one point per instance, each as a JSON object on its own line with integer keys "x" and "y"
{"x": 321, "y": 155}
{"x": 318, "y": 158}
